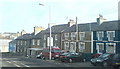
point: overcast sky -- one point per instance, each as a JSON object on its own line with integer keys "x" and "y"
{"x": 16, "y": 15}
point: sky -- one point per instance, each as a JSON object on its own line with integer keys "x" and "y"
{"x": 16, "y": 15}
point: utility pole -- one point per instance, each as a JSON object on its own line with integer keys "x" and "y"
{"x": 77, "y": 48}
{"x": 50, "y": 34}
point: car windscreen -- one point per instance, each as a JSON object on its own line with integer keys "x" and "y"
{"x": 56, "y": 50}
{"x": 103, "y": 55}
{"x": 117, "y": 56}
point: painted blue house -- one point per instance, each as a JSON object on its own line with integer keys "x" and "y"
{"x": 106, "y": 37}
{"x": 12, "y": 46}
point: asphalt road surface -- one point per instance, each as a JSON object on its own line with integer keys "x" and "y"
{"x": 34, "y": 62}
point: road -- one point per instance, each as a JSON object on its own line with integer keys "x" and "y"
{"x": 33, "y": 62}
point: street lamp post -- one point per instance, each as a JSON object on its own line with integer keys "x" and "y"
{"x": 49, "y": 25}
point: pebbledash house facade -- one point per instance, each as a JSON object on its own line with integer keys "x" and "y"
{"x": 78, "y": 41}
{"x": 106, "y": 37}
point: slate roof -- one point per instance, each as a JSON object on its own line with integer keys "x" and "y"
{"x": 108, "y": 26}
{"x": 54, "y": 29}
{"x": 57, "y": 28}
{"x": 25, "y": 37}
{"x": 82, "y": 27}
{"x": 13, "y": 41}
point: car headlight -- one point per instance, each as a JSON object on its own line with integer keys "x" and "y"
{"x": 99, "y": 60}
{"x": 56, "y": 55}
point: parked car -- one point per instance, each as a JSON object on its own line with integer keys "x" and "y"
{"x": 71, "y": 57}
{"x": 116, "y": 61}
{"x": 39, "y": 56}
{"x": 55, "y": 52}
{"x": 95, "y": 55}
{"x": 103, "y": 59}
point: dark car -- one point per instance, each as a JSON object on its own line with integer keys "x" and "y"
{"x": 103, "y": 59}
{"x": 116, "y": 61}
{"x": 39, "y": 56}
{"x": 71, "y": 57}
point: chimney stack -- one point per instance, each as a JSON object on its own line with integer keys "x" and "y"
{"x": 37, "y": 29}
{"x": 100, "y": 20}
{"x": 71, "y": 22}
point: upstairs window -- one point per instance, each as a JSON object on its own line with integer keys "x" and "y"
{"x": 66, "y": 36}
{"x": 100, "y": 35}
{"x": 73, "y": 36}
{"x": 25, "y": 43}
{"x": 44, "y": 37}
{"x": 81, "y": 35}
{"x": 110, "y": 35}
{"x": 33, "y": 42}
{"x": 38, "y": 42}
{"x": 18, "y": 42}
{"x": 56, "y": 37}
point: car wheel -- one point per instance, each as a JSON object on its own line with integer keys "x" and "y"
{"x": 115, "y": 66}
{"x": 43, "y": 58}
{"x": 94, "y": 64}
{"x": 83, "y": 60}
{"x": 105, "y": 64}
{"x": 70, "y": 60}
{"x": 52, "y": 58}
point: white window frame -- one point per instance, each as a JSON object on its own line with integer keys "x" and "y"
{"x": 73, "y": 49}
{"x": 66, "y": 36}
{"x": 38, "y": 42}
{"x": 81, "y": 49}
{"x": 99, "y": 36}
{"x": 56, "y": 37}
{"x": 33, "y": 41}
{"x": 81, "y": 35}
{"x": 25, "y": 49}
{"x": 18, "y": 42}
{"x": 73, "y": 35}
{"x": 97, "y": 47}
{"x": 21, "y": 42}
{"x": 44, "y": 37}
{"x": 66, "y": 46}
{"x": 25, "y": 43}
{"x": 44, "y": 44}
{"x": 114, "y": 44}
{"x": 109, "y": 34}
{"x": 17, "y": 49}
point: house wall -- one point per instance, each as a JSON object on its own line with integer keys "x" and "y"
{"x": 55, "y": 42}
{"x": 4, "y": 45}
{"x": 105, "y": 41}
{"x": 87, "y": 41}
{"x": 22, "y": 48}
{"x": 12, "y": 47}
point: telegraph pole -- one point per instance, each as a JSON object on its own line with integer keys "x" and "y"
{"x": 77, "y": 32}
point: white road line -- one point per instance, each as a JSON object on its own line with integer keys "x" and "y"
{"x": 25, "y": 65}
{"x": 15, "y": 61}
{"x": 16, "y": 65}
{"x": 8, "y": 61}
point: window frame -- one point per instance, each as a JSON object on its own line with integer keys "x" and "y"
{"x": 109, "y": 35}
{"x": 81, "y": 35}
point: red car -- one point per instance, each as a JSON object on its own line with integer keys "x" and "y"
{"x": 55, "y": 52}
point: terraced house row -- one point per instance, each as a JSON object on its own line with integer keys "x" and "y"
{"x": 96, "y": 37}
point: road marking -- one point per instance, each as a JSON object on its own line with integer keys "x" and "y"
{"x": 8, "y": 61}
{"x": 25, "y": 65}
{"x": 15, "y": 61}
{"x": 16, "y": 65}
